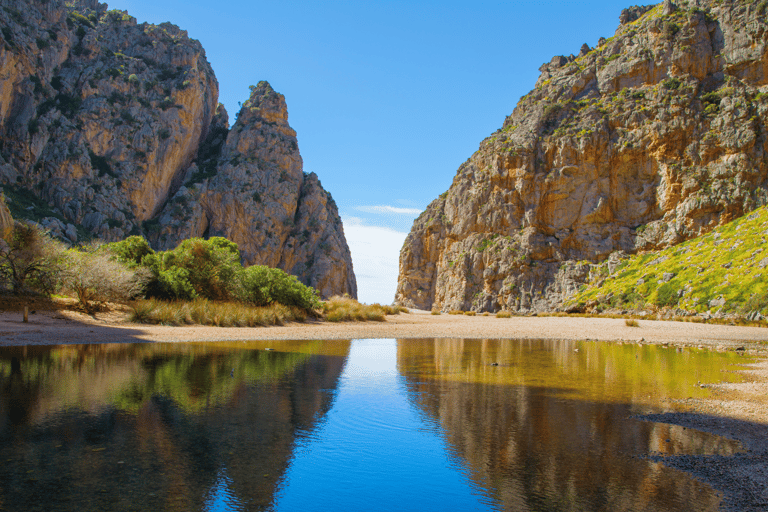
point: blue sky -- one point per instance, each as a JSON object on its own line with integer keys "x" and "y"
{"x": 388, "y": 98}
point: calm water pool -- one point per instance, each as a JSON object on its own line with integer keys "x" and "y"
{"x": 351, "y": 425}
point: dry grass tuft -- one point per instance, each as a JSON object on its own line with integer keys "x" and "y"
{"x": 455, "y": 312}
{"x": 503, "y": 314}
{"x": 206, "y": 312}
{"x": 631, "y": 323}
{"x": 435, "y": 312}
{"x": 470, "y": 313}
{"x": 344, "y": 309}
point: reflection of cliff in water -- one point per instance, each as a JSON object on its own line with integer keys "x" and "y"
{"x": 532, "y": 449}
{"x": 155, "y": 427}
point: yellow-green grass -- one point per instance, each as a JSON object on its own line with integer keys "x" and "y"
{"x": 503, "y": 314}
{"x": 344, "y": 309}
{"x": 436, "y": 312}
{"x": 455, "y": 312}
{"x": 470, "y": 313}
{"x": 631, "y": 323}
{"x": 206, "y": 312}
{"x": 724, "y": 264}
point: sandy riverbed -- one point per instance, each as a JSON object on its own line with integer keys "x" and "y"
{"x": 737, "y": 411}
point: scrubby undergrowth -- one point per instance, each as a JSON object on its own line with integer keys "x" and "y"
{"x": 236, "y": 314}
{"x": 720, "y": 274}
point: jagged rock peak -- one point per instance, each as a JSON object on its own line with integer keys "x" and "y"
{"x": 265, "y": 103}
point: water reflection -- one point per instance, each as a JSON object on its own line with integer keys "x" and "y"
{"x": 532, "y": 445}
{"x": 156, "y": 427}
{"x": 370, "y": 424}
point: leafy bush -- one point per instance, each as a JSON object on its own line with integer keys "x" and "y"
{"x": 173, "y": 283}
{"x": 260, "y": 286}
{"x": 210, "y": 269}
{"x": 130, "y": 251}
{"x": 211, "y": 265}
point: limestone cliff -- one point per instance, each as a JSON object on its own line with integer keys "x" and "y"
{"x": 116, "y": 126}
{"x": 260, "y": 198}
{"x": 655, "y": 136}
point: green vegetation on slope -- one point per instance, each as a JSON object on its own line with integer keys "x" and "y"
{"x": 723, "y": 271}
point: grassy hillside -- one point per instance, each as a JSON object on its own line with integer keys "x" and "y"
{"x": 725, "y": 271}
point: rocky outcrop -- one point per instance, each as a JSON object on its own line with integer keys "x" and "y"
{"x": 117, "y": 126}
{"x": 654, "y": 137}
{"x": 260, "y": 198}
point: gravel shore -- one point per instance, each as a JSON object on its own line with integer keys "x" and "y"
{"x": 64, "y": 326}
{"x": 736, "y": 411}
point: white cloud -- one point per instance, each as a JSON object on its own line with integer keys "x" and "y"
{"x": 375, "y": 257}
{"x": 388, "y": 209}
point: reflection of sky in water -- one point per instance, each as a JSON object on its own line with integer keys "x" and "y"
{"x": 373, "y": 450}
{"x": 221, "y": 498}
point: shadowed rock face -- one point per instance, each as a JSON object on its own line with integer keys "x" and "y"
{"x": 117, "y": 126}
{"x": 652, "y": 138}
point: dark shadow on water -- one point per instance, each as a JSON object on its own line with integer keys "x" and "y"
{"x": 733, "y": 475}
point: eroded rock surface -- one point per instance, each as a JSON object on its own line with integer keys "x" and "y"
{"x": 654, "y": 137}
{"x": 117, "y": 126}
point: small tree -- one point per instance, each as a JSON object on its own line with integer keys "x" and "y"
{"x": 95, "y": 276}
{"x": 29, "y": 259}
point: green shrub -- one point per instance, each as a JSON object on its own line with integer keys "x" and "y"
{"x": 211, "y": 265}
{"x": 672, "y": 84}
{"x": 130, "y": 251}
{"x": 260, "y": 286}
{"x": 174, "y": 283}
{"x": 666, "y": 295}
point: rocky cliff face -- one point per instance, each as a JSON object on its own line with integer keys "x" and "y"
{"x": 249, "y": 187}
{"x": 655, "y": 136}
{"x": 117, "y": 126}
